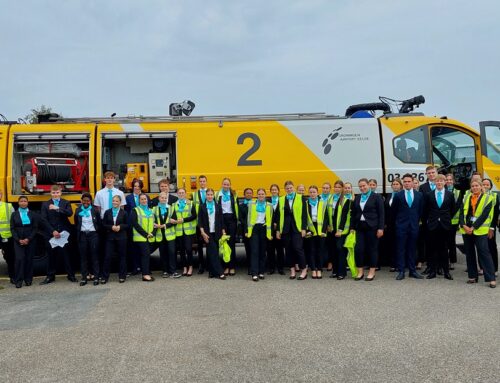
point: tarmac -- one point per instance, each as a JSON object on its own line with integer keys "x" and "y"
{"x": 277, "y": 330}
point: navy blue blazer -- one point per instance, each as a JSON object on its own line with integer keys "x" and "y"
{"x": 406, "y": 217}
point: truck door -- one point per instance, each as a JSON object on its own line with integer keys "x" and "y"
{"x": 490, "y": 148}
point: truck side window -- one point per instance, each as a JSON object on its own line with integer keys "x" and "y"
{"x": 412, "y": 146}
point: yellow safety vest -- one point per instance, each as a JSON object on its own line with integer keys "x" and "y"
{"x": 252, "y": 218}
{"x": 485, "y": 227}
{"x": 147, "y": 223}
{"x": 6, "y": 211}
{"x": 320, "y": 219}
{"x": 493, "y": 199}
{"x": 169, "y": 231}
{"x": 188, "y": 228}
{"x": 339, "y": 216}
{"x": 455, "y": 219}
{"x": 297, "y": 211}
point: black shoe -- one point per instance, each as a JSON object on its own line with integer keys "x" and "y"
{"x": 72, "y": 278}
{"x": 151, "y": 279}
{"x": 255, "y": 278}
{"x": 333, "y": 276}
{"x": 96, "y": 282}
{"x": 83, "y": 282}
{"x": 339, "y": 277}
{"x": 416, "y": 275}
{"x": 47, "y": 280}
{"x": 370, "y": 279}
{"x": 293, "y": 276}
{"x": 135, "y": 272}
{"x": 392, "y": 269}
{"x": 12, "y": 282}
{"x": 357, "y": 278}
{"x": 492, "y": 285}
{"x": 281, "y": 272}
{"x": 121, "y": 280}
{"x": 104, "y": 281}
{"x": 427, "y": 270}
{"x": 270, "y": 272}
{"x": 452, "y": 266}
{"x": 440, "y": 271}
{"x": 19, "y": 285}
{"x": 223, "y": 277}
{"x": 431, "y": 275}
{"x": 28, "y": 283}
{"x": 301, "y": 278}
{"x": 261, "y": 276}
{"x": 165, "y": 275}
{"x": 448, "y": 276}
{"x": 400, "y": 276}
{"x": 210, "y": 275}
{"x": 201, "y": 271}
{"x": 176, "y": 275}
{"x": 470, "y": 281}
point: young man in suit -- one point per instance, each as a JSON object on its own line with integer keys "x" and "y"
{"x": 407, "y": 208}
{"x": 438, "y": 212}
{"x": 55, "y": 214}
{"x": 164, "y": 186}
{"x": 427, "y": 187}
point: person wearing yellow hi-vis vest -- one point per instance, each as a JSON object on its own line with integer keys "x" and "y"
{"x": 451, "y": 242}
{"x": 339, "y": 223}
{"x": 314, "y": 242}
{"x": 332, "y": 255}
{"x": 185, "y": 215}
{"x": 474, "y": 224}
{"x": 228, "y": 200}
{"x": 6, "y": 242}
{"x": 492, "y": 240}
{"x": 199, "y": 197}
{"x": 143, "y": 234}
{"x": 327, "y": 252}
{"x": 164, "y": 232}
{"x": 259, "y": 231}
{"x": 291, "y": 216}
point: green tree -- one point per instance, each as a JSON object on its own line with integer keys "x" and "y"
{"x": 32, "y": 118}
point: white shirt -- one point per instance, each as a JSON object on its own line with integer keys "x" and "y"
{"x": 88, "y": 223}
{"x": 226, "y": 206}
{"x": 314, "y": 212}
{"x": 290, "y": 203}
{"x": 261, "y": 218}
{"x": 102, "y": 199}
{"x": 362, "y": 206}
{"x": 211, "y": 222}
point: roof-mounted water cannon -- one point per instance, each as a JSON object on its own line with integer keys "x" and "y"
{"x": 179, "y": 108}
{"x": 407, "y": 106}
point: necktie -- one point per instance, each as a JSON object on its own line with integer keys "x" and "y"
{"x": 409, "y": 199}
{"x": 146, "y": 210}
{"x": 181, "y": 204}
{"x": 439, "y": 198}
{"x": 432, "y": 185}
{"x": 203, "y": 194}
{"x": 163, "y": 209}
{"x": 136, "y": 199}
{"x": 336, "y": 197}
{"x": 115, "y": 211}
{"x": 56, "y": 202}
{"x": 110, "y": 198}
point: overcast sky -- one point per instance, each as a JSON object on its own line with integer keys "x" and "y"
{"x": 93, "y": 58}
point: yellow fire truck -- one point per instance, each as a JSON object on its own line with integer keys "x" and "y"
{"x": 252, "y": 150}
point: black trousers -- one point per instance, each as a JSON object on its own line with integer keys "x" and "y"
{"x": 275, "y": 254}
{"x": 366, "y": 246}
{"x": 213, "y": 260}
{"x": 258, "y": 245}
{"x": 438, "y": 255}
{"x": 54, "y": 254}
{"x": 421, "y": 246}
{"x": 387, "y": 251}
{"x": 200, "y": 243}
{"x": 24, "y": 262}
{"x": 230, "y": 226}
{"x": 479, "y": 242}
{"x": 330, "y": 252}
{"x": 247, "y": 242}
{"x": 88, "y": 246}
{"x": 341, "y": 255}
{"x": 451, "y": 244}
{"x": 168, "y": 256}
{"x": 133, "y": 253}
{"x": 9, "y": 255}
{"x": 145, "y": 252}
{"x": 492, "y": 246}
{"x": 118, "y": 246}
{"x": 294, "y": 249}
{"x": 313, "y": 246}
{"x": 184, "y": 244}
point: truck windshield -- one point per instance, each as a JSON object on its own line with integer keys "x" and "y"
{"x": 452, "y": 147}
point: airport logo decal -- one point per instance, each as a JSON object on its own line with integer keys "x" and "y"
{"x": 327, "y": 146}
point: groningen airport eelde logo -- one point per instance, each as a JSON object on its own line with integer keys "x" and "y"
{"x": 327, "y": 142}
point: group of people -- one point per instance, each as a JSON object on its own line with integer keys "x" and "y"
{"x": 279, "y": 231}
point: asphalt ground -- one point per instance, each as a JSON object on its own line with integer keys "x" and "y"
{"x": 206, "y": 330}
